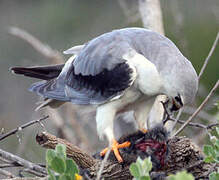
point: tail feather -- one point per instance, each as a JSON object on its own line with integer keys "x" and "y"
{"x": 39, "y": 72}
{"x": 50, "y": 89}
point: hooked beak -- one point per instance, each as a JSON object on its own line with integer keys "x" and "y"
{"x": 175, "y": 105}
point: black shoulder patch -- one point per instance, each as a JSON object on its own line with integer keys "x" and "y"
{"x": 107, "y": 83}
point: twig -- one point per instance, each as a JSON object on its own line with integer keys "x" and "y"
{"x": 6, "y": 173}
{"x": 198, "y": 109}
{"x": 209, "y": 56}
{"x": 32, "y": 172}
{"x": 21, "y": 127}
{"x": 198, "y": 125}
{"x": 4, "y": 160}
{"x": 177, "y": 119}
{"x": 9, "y": 165}
{"x": 103, "y": 163}
{"x": 22, "y": 162}
{"x": 43, "y": 49}
{"x": 202, "y": 114}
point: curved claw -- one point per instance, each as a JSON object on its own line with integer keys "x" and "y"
{"x": 115, "y": 148}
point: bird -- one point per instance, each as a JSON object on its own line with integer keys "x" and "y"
{"x": 118, "y": 71}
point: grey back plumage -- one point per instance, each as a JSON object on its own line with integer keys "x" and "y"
{"x": 95, "y": 74}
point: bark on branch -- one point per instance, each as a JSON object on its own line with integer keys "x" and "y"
{"x": 183, "y": 155}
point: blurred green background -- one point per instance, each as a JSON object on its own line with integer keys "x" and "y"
{"x": 191, "y": 24}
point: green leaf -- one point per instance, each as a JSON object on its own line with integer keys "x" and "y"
{"x": 61, "y": 151}
{"x": 214, "y": 176}
{"x": 71, "y": 168}
{"x": 147, "y": 165}
{"x": 134, "y": 170}
{"x": 58, "y": 165}
{"x": 217, "y": 144}
{"x": 181, "y": 176}
{"x": 209, "y": 159}
{"x": 50, "y": 155}
{"x": 51, "y": 174}
{"x": 139, "y": 163}
{"x": 145, "y": 178}
{"x": 65, "y": 177}
{"x": 208, "y": 150}
{"x": 217, "y": 130}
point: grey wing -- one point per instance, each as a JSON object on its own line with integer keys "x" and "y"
{"x": 103, "y": 52}
{"x": 99, "y": 88}
{"x": 99, "y": 73}
{"x": 96, "y": 75}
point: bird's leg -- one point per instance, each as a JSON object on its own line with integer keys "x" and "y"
{"x": 105, "y": 116}
{"x": 115, "y": 148}
{"x": 141, "y": 113}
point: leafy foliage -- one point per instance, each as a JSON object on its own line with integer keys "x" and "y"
{"x": 60, "y": 167}
{"x": 212, "y": 152}
{"x": 183, "y": 175}
{"x": 214, "y": 175}
{"x": 140, "y": 170}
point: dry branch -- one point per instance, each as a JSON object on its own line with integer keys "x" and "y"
{"x": 43, "y": 49}
{"x": 81, "y": 158}
{"x": 3, "y": 136}
{"x": 22, "y": 162}
{"x": 6, "y": 173}
{"x": 197, "y": 125}
{"x": 198, "y": 109}
{"x": 183, "y": 155}
{"x": 209, "y": 56}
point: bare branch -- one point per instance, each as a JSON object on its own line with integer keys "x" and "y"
{"x": 43, "y": 49}
{"x": 209, "y": 56}
{"x": 151, "y": 15}
{"x": 6, "y": 173}
{"x": 32, "y": 172}
{"x": 22, "y": 162}
{"x": 81, "y": 158}
{"x": 182, "y": 151}
{"x": 22, "y": 127}
{"x": 198, "y": 125}
{"x": 9, "y": 165}
{"x": 99, "y": 173}
{"x": 198, "y": 109}
{"x": 176, "y": 120}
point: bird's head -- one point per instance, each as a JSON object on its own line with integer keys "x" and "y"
{"x": 173, "y": 103}
{"x": 180, "y": 85}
